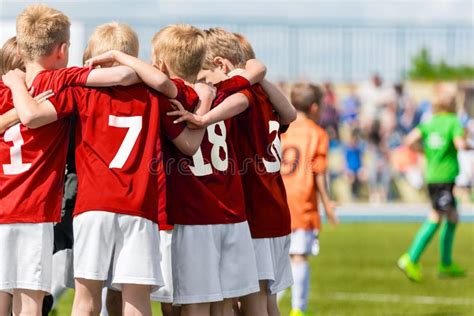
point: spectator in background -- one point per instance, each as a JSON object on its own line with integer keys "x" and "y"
{"x": 329, "y": 117}
{"x": 373, "y": 96}
{"x": 350, "y": 106}
{"x": 378, "y": 169}
{"x": 353, "y": 156}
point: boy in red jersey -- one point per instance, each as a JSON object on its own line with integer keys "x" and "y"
{"x": 182, "y": 69}
{"x": 32, "y": 161}
{"x": 305, "y": 148}
{"x": 256, "y": 136}
{"x": 209, "y": 214}
{"x": 117, "y": 146}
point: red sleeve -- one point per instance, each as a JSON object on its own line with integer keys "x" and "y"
{"x": 186, "y": 95}
{"x": 230, "y": 86}
{"x": 59, "y": 81}
{"x": 169, "y": 129}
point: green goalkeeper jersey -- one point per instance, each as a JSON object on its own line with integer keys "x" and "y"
{"x": 438, "y": 141}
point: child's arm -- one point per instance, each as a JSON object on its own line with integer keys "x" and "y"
{"x": 11, "y": 118}
{"x": 112, "y": 76}
{"x": 254, "y": 71}
{"x": 284, "y": 108}
{"x": 189, "y": 140}
{"x": 413, "y": 138}
{"x": 31, "y": 113}
{"x": 320, "y": 179}
{"x": 230, "y": 107}
{"x": 146, "y": 72}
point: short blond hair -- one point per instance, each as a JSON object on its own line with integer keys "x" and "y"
{"x": 221, "y": 43}
{"x": 182, "y": 47}
{"x": 39, "y": 29}
{"x": 304, "y": 95}
{"x": 9, "y": 58}
{"x": 444, "y": 97}
{"x": 112, "y": 36}
{"x": 247, "y": 48}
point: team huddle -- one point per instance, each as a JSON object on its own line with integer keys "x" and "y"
{"x": 180, "y": 195}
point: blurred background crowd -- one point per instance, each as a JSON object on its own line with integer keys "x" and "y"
{"x": 367, "y": 123}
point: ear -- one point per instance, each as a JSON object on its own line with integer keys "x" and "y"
{"x": 221, "y": 64}
{"x": 63, "y": 50}
{"x": 162, "y": 66}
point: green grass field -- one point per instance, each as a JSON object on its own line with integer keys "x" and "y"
{"x": 355, "y": 274}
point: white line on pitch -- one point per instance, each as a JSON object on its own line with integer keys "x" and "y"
{"x": 393, "y": 298}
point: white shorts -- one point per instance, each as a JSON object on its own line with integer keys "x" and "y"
{"x": 273, "y": 262}
{"x": 26, "y": 256}
{"x": 304, "y": 242}
{"x": 212, "y": 263}
{"x": 165, "y": 293}
{"x": 129, "y": 245}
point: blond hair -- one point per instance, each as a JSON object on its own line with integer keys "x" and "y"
{"x": 304, "y": 95}
{"x": 444, "y": 97}
{"x": 9, "y": 58}
{"x": 112, "y": 36}
{"x": 183, "y": 48}
{"x": 39, "y": 29}
{"x": 247, "y": 48}
{"x": 221, "y": 43}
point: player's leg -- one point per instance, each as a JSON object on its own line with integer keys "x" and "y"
{"x": 27, "y": 302}
{"x": 200, "y": 309}
{"x": 87, "y": 297}
{"x": 448, "y": 229}
{"x": 114, "y": 302}
{"x": 222, "y": 308}
{"x": 256, "y": 303}
{"x": 136, "y": 299}
{"x": 408, "y": 262}
{"x": 273, "y": 309}
{"x": 5, "y": 303}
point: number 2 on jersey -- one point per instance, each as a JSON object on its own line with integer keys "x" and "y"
{"x": 16, "y": 166}
{"x": 134, "y": 125}
{"x": 200, "y": 168}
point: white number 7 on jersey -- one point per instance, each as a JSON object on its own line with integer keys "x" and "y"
{"x": 134, "y": 125}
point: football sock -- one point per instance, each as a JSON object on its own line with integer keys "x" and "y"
{"x": 446, "y": 242}
{"x": 422, "y": 239}
{"x": 300, "y": 288}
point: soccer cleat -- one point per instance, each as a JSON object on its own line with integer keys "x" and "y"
{"x": 451, "y": 271}
{"x": 411, "y": 269}
{"x": 298, "y": 312}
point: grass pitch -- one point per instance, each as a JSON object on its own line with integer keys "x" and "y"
{"x": 355, "y": 274}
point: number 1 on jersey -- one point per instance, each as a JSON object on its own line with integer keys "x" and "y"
{"x": 134, "y": 125}
{"x": 16, "y": 166}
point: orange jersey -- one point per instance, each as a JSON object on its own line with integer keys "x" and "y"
{"x": 304, "y": 153}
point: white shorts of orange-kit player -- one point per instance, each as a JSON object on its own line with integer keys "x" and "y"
{"x": 304, "y": 242}
{"x": 128, "y": 245}
{"x": 165, "y": 293}
{"x": 212, "y": 263}
{"x": 273, "y": 262}
{"x": 26, "y": 256}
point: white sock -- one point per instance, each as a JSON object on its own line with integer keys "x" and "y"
{"x": 300, "y": 288}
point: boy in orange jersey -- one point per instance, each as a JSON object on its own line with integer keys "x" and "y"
{"x": 305, "y": 148}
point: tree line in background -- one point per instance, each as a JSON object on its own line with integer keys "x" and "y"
{"x": 424, "y": 68}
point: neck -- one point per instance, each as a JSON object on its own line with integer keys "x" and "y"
{"x": 186, "y": 80}
{"x": 33, "y": 69}
{"x": 300, "y": 115}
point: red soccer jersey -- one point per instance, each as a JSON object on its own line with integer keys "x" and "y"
{"x": 206, "y": 188}
{"x": 118, "y": 149}
{"x": 257, "y": 138}
{"x": 189, "y": 99}
{"x": 32, "y": 161}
